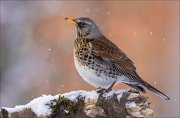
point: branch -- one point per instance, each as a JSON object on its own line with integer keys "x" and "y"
{"x": 116, "y": 103}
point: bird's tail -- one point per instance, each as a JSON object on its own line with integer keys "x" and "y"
{"x": 153, "y": 89}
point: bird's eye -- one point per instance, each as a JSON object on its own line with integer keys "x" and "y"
{"x": 82, "y": 24}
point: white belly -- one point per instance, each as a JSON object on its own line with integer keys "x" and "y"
{"x": 90, "y": 76}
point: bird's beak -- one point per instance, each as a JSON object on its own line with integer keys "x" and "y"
{"x": 71, "y": 20}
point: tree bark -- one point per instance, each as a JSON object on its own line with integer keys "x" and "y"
{"x": 84, "y": 104}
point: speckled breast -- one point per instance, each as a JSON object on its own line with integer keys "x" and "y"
{"x": 91, "y": 69}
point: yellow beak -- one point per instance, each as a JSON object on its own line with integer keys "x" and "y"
{"x": 71, "y": 20}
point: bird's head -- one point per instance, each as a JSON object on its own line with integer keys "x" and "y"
{"x": 85, "y": 27}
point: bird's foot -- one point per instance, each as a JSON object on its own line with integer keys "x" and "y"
{"x": 102, "y": 90}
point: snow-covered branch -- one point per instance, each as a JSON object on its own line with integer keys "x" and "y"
{"x": 116, "y": 103}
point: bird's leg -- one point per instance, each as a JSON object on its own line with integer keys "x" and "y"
{"x": 110, "y": 88}
{"x": 102, "y": 90}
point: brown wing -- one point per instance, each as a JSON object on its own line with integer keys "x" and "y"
{"x": 109, "y": 51}
{"x": 110, "y": 54}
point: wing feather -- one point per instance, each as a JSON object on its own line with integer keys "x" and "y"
{"x": 109, "y": 51}
{"x": 110, "y": 54}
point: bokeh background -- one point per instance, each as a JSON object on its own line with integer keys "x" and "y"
{"x": 37, "y": 47}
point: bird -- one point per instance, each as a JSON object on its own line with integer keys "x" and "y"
{"x": 101, "y": 63}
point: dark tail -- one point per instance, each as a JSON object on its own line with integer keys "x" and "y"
{"x": 153, "y": 89}
{"x": 149, "y": 87}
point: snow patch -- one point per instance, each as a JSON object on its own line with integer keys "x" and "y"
{"x": 41, "y": 105}
{"x": 86, "y": 94}
{"x": 130, "y": 105}
{"x": 38, "y": 106}
{"x": 133, "y": 95}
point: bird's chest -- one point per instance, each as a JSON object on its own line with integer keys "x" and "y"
{"x": 91, "y": 74}
{"x": 90, "y": 70}
{"x": 82, "y": 52}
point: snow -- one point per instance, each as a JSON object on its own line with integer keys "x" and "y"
{"x": 66, "y": 111}
{"x": 138, "y": 109}
{"x": 49, "y": 49}
{"x": 155, "y": 82}
{"x": 93, "y": 95}
{"x": 133, "y": 95}
{"x": 38, "y": 105}
{"x": 41, "y": 105}
{"x": 130, "y": 105}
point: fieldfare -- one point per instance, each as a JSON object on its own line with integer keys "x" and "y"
{"x": 101, "y": 63}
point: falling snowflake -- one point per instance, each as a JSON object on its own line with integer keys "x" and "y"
{"x": 49, "y": 49}
{"x": 108, "y": 13}
{"x": 155, "y": 82}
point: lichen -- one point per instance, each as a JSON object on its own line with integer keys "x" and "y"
{"x": 112, "y": 106}
{"x": 64, "y": 107}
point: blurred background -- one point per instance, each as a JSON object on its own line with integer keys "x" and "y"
{"x": 37, "y": 47}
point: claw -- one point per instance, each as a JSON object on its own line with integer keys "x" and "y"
{"x": 102, "y": 90}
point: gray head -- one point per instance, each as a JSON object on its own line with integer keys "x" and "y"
{"x": 86, "y": 27}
